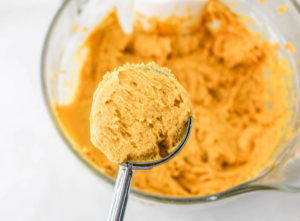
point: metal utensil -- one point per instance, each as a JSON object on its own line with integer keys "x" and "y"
{"x": 126, "y": 171}
{"x": 125, "y": 174}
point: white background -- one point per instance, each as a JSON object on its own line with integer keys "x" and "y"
{"x": 40, "y": 179}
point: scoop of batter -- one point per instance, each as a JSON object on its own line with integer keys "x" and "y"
{"x": 139, "y": 114}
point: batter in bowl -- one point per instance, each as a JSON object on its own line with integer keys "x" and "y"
{"x": 139, "y": 113}
{"x": 235, "y": 81}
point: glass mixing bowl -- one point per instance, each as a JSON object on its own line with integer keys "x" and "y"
{"x": 283, "y": 170}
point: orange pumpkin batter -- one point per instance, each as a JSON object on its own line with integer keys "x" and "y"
{"x": 234, "y": 78}
{"x": 139, "y": 113}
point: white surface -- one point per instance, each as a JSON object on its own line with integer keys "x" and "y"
{"x": 40, "y": 179}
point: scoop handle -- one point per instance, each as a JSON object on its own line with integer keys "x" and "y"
{"x": 120, "y": 195}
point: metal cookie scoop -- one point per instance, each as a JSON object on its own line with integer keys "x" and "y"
{"x": 127, "y": 169}
{"x": 125, "y": 174}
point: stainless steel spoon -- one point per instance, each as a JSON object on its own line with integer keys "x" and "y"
{"x": 127, "y": 169}
{"x": 125, "y": 174}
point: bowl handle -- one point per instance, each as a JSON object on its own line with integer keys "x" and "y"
{"x": 286, "y": 174}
